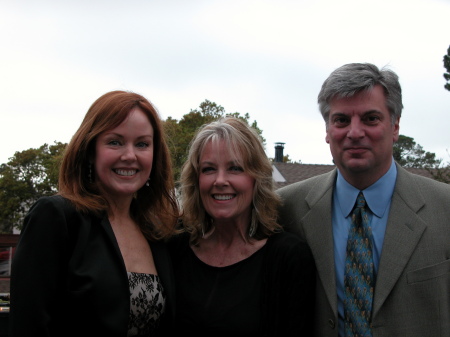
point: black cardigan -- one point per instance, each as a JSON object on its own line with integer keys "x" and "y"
{"x": 68, "y": 277}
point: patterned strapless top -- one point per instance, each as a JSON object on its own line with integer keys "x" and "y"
{"x": 147, "y": 299}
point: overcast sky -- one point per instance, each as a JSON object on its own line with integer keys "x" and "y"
{"x": 267, "y": 58}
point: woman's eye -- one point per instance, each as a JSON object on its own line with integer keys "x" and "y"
{"x": 114, "y": 142}
{"x": 142, "y": 144}
{"x": 207, "y": 169}
{"x": 236, "y": 168}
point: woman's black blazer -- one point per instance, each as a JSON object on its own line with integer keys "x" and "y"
{"x": 68, "y": 277}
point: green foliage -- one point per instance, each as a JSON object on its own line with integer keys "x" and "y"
{"x": 409, "y": 154}
{"x": 27, "y": 176}
{"x": 447, "y": 67}
{"x": 180, "y": 133}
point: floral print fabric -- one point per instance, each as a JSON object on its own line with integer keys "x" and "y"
{"x": 147, "y": 300}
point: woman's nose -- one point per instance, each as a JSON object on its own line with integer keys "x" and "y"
{"x": 128, "y": 153}
{"x": 221, "y": 178}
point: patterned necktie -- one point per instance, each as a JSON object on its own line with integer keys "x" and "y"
{"x": 359, "y": 274}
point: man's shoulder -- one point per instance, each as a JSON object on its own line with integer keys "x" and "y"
{"x": 422, "y": 181}
{"x": 411, "y": 186}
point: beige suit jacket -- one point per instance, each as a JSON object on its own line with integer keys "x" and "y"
{"x": 412, "y": 292}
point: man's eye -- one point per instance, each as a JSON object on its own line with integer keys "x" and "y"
{"x": 340, "y": 120}
{"x": 373, "y": 118}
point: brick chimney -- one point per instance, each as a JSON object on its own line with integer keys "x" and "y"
{"x": 279, "y": 147}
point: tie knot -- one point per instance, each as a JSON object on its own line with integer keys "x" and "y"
{"x": 360, "y": 201}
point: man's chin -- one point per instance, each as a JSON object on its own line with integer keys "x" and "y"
{"x": 357, "y": 165}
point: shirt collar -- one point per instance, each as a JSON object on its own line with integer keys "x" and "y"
{"x": 378, "y": 195}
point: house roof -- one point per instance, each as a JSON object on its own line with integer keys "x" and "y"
{"x": 288, "y": 173}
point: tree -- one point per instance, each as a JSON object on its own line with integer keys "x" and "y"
{"x": 27, "y": 176}
{"x": 447, "y": 66}
{"x": 409, "y": 154}
{"x": 441, "y": 173}
{"x": 286, "y": 159}
{"x": 180, "y": 133}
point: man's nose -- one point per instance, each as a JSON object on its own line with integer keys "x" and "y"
{"x": 355, "y": 129}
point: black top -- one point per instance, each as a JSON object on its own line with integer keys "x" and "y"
{"x": 268, "y": 294}
{"x": 220, "y": 300}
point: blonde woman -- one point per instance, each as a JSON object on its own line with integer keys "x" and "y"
{"x": 237, "y": 272}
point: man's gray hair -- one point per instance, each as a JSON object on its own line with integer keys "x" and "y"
{"x": 352, "y": 78}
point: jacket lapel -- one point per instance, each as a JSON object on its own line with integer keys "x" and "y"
{"x": 403, "y": 232}
{"x": 112, "y": 238}
{"x": 319, "y": 233}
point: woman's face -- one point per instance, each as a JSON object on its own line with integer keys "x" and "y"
{"x": 124, "y": 156}
{"x": 226, "y": 189}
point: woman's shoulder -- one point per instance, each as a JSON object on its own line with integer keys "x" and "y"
{"x": 48, "y": 205}
{"x": 53, "y": 201}
{"x": 285, "y": 238}
{"x": 56, "y": 208}
{"x": 287, "y": 243}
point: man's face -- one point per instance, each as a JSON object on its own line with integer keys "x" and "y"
{"x": 361, "y": 136}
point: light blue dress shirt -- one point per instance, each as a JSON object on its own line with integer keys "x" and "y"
{"x": 378, "y": 198}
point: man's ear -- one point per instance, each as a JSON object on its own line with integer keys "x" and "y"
{"x": 396, "y": 132}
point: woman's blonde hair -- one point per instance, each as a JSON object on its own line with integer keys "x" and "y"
{"x": 243, "y": 141}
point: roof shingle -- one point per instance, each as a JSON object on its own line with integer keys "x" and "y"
{"x": 288, "y": 173}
